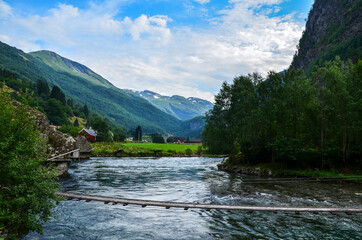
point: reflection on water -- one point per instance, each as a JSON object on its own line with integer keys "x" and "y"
{"x": 195, "y": 180}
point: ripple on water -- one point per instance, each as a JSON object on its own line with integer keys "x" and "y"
{"x": 194, "y": 180}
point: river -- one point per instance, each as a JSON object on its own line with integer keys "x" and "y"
{"x": 195, "y": 180}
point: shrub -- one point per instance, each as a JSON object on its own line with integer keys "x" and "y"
{"x": 158, "y": 139}
{"x": 27, "y": 188}
{"x": 188, "y": 151}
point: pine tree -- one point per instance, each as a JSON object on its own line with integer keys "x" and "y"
{"x": 76, "y": 123}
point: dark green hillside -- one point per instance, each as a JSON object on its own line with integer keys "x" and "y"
{"x": 333, "y": 28}
{"x": 83, "y": 85}
{"x": 192, "y": 128}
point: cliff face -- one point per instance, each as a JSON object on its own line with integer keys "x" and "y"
{"x": 334, "y": 27}
{"x": 57, "y": 142}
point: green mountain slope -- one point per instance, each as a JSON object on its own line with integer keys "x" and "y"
{"x": 61, "y": 64}
{"x": 177, "y": 106}
{"x": 334, "y": 27}
{"x": 83, "y": 85}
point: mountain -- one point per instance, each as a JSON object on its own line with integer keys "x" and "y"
{"x": 84, "y": 86}
{"x": 177, "y": 106}
{"x": 334, "y": 27}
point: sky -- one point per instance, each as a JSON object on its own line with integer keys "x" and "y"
{"x": 172, "y": 47}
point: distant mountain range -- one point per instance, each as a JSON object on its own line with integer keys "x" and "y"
{"x": 80, "y": 83}
{"x": 177, "y": 106}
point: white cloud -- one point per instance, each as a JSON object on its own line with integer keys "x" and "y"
{"x": 202, "y": 1}
{"x": 5, "y": 9}
{"x": 145, "y": 53}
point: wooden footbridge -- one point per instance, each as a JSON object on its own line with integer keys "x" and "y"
{"x": 208, "y": 207}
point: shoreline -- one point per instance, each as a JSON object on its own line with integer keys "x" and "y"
{"x": 265, "y": 171}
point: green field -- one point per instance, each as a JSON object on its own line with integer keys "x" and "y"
{"x": 133, "y": 149}
{"x": 164, "y": 146}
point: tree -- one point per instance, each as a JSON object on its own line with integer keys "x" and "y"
{"x": 138, "y": 134}
{"x": 27, "y": 186}
{"x": 103, "y": 131}
{"x": 76, "y": 123}
{"x": 158, "y": 139}
{"x": 42, "y": 88}
{"x": 56, "y": 112}
{"x": 57, "y": 93}
{"x": 171, "y": 139}
{"x": 86, "y": 110}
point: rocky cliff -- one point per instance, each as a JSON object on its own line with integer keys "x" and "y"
{"x": 334, "y": 27}
{"x": 57, "y": 142}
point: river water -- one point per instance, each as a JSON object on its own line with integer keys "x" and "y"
{"x": 195, "y": 180}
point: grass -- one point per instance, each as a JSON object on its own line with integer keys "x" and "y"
{"x": 164, "y": 146}
{"x": 133, "y": 149}
{"x": 81, "y": 121}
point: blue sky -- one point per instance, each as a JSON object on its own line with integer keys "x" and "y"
{"x": 184, "y": 47}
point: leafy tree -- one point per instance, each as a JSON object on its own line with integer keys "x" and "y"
{"x": 70, "y": 130}
{"x": 158, "y": 139}
{"x": 119, "y": 134}
{"x": 290, "y": 118}
{"x": 103, "y": 131}
{"x": 27, "y": 187}
{"x": 171, "y": 139}
{"x": 138, "y": 134}
{"x": 56, "y": 112}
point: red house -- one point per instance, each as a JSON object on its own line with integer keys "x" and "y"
{"x": 180, "y": 139}
{"x": 89, "y": 134}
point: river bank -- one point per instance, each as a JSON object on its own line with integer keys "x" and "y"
{"x": 278, "y": 170}
{"x": 117, "y": 149}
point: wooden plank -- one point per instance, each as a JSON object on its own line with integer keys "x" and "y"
{"x": 165, "y": 204}
{"x": 51, "y": 159}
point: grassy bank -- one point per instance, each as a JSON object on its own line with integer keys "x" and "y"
{"x": 280, "y": 170}
{"x": 133, "y": 149}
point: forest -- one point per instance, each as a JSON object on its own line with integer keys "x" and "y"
{"x": 290, "y": 118}
{"x": 59, "y": 109}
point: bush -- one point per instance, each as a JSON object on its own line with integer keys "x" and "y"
{"x": 188, "y": 151}
{"x": 158, "y": 139}
{"x": 27, "y": 188}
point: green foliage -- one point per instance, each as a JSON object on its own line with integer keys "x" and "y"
{"x": 170, "y": 139}
{"x": 141, "y": 149}
{"x": 70, "y": 130}
{"x": 76, "y": 123}
{"x": 188, "y": 151}
{"x": 103, "y": 131}
{"x": 58, "y": 94}
{"x": 42, "y": 88}
{"x": 55, "y": 111}
{"x": 86, "y": 110}
{"x": 158, "y": 139}
{"x": 138, "y": 134}
{"x": 290, "y": 118}
{"x": 27, "y": 187}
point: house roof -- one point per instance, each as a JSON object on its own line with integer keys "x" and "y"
{"x": 89, "y": 131}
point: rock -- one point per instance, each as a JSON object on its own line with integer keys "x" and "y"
{"x": 244, "y": 170}
{"x": 58, "y": 142}
{"x": 341, "y": 20}
{"x": 82, "y": 144}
